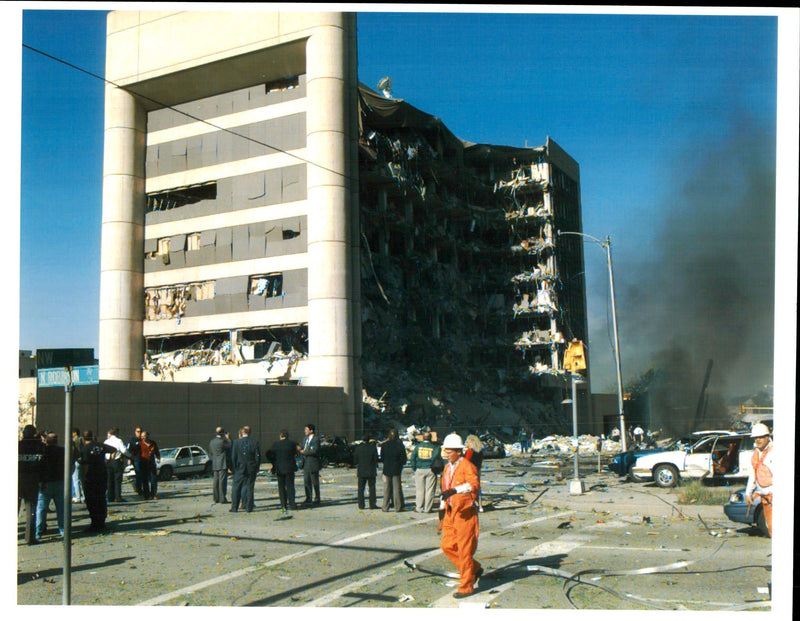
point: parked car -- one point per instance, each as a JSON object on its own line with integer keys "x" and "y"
{"x": 739, "y": 511}
{"x": 622, "y": 463}
{"x": 715, "y": 457}
{"x": 180, "y": 461}
{"x": 335, "y": 450}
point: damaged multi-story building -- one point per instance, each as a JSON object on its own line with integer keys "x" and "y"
{"x": 264, "y": 215}
{"x": 465, "y": 280}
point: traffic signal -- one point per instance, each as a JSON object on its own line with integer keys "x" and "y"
{"x": 574, "y": 356}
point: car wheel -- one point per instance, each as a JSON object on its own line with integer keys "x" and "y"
{"x": 761, "y": 522}
{"x": 665, "y": 475}
{"x": 165, "y": 474}
{"x": 633, "y": 477}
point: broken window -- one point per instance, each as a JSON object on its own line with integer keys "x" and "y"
{"x": 266, "y": 285}
{"x": 193, "y": 241}
{"x": 178, "y": 197}
{"x": 279, "y": 349}
{"x": 289, "y": 234}
{"x": 169, "y": 302}
{"x": 282, "y": 84}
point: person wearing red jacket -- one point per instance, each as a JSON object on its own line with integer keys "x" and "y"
{"x": 459, "y": 503}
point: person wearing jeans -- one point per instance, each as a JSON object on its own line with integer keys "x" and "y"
{"x": 77, "y": 448}
{"x": 51, "y": 485}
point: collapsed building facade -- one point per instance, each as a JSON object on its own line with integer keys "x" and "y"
{"x": 264, "y": 214}
{"x": 466, "y": 285}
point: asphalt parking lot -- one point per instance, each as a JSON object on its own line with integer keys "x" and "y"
{"x": 618, "y": 546}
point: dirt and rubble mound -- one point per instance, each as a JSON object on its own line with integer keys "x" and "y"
{"x": 419, "y": 402}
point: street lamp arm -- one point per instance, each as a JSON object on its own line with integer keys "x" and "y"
{"x": 606, "y": 245}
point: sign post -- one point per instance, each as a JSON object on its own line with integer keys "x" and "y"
{"x": 59, "y": 367}
{"x": 68, "y": 461}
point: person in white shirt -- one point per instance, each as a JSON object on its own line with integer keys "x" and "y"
{"x": 115, "y": 464}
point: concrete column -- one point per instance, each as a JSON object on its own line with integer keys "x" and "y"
{"x": 121, "y": 344}
{"x": 553, "y": 349}
{"x": 355, "y": 225}
{"x": 547, "y": 198}
{"x": 330, "y": 224}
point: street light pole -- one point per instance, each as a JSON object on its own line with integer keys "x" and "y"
{"x": 606, "y": 245}
{"x": 623, "y": 434}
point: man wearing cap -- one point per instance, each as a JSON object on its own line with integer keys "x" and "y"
{"x": 759, "y": 483}
{"x": 460, "y": 522}
{"x": 424, "y": 478}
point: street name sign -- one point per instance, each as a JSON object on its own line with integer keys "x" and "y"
{"x": 58, "y": 358}
{"x": 81, "y": 376}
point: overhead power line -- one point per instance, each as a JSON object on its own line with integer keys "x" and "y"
{"x": 186, "y": 114}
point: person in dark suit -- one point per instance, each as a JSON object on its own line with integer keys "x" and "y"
{"x": 393, "y": 456}
{"x": 220, "y": 450}
{"x": 93, "y": 466}
{"x": 245, "y": 460}
{"x": 31, "y": 453}
{"x": 311, "y": 465}
{"x": 365, "y": 458}
{"x": 283, "y": 456}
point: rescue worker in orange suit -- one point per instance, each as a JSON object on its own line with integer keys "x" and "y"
{"x": 759, "y": 483}
{"x": 459, "y": 503}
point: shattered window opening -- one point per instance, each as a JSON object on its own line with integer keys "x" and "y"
{"x": 282, "y": 84}
{"x": 169, "y": 302}
{"x": 193, "y": 241}
{"x": 288, "y": 345}
{"x": 289, "y": 234}
{"x": 267, "y": 285}
{"x": 178, "y": 197}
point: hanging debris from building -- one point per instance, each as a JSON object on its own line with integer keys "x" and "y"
{"x": 164, "y": 365}
{"x": 170, "y": 302}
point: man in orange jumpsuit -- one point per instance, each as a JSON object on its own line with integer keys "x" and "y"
{"x": 759, "y": 483}
{"x": 460, "y": 522}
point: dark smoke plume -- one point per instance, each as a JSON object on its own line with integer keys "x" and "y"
{"x": 706, "y": 291}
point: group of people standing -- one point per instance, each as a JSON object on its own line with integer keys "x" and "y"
{"x": 457, "y": 462}
{"x": 96, "y": 472}
{"x": 241, "y": 458}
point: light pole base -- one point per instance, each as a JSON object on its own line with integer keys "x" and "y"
{"x": 576, "y": 487}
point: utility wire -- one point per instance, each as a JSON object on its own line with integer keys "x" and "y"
{"x": 186, "y": 114}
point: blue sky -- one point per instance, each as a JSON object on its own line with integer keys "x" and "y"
{"x": 642, "y": 102}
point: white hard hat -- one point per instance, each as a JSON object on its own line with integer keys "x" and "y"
{"x": 453, "y": 441}
{"x": 759, "y": 430}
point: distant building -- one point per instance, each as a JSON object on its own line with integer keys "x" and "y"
{"x": 27, "y": 364}
{"x": 252, "y": 188}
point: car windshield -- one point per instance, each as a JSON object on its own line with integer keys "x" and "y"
{"x": 170, "y": 452}
{"x": 704, "y": 445}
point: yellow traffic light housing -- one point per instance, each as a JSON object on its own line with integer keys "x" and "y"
{"x": 574, "y": 356}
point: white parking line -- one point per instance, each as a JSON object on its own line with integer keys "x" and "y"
{"x": 334, "y": 595}
{"x": 485, "y": 598}
{"x": 278, "y": 561}
{"x": 627, "y": 549}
